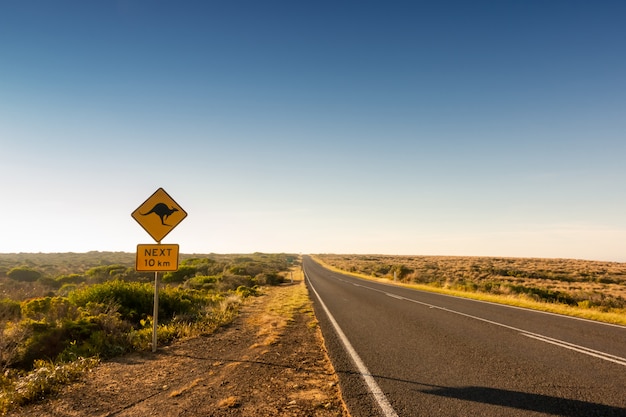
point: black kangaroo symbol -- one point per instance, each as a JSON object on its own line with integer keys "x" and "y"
{"x": 163, "y": 211}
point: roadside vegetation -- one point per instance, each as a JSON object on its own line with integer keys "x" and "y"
{"x": 589, "y": 289}
{"x": 61, "y": 313}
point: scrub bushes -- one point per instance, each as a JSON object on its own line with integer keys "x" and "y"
{"x": 24, "y": 274}
{"x": 106, "y": 310}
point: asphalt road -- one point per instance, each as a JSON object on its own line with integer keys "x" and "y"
{"x": 411, "y": 353}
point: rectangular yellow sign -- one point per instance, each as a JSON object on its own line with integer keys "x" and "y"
{"x": 156, "y": 258}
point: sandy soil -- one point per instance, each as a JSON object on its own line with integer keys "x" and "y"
{"x": 260, "y": 365}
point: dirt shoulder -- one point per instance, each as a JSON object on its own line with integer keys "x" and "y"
{"x": 270, "y": 361}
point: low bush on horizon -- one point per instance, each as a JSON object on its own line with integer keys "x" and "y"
{"x": 584, "y": 284}
{"x": 104, "y": 310}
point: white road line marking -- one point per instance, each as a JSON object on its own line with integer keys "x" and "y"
{"x": 577, "y": 348}
{"x": 378, "y": 394}
{"x": 603, "y": 323}
{"x": 394, "y": 296}
{"x": 557, "y": 342}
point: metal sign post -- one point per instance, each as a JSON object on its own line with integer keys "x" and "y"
{"x": 155, "y": 312}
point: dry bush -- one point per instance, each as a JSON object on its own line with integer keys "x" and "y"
{"x": 587, "y": 283}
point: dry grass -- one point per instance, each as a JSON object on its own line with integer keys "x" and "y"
{"x": 280, "y": 310}
{"x": 589, "y": 289}
{"x": 180, "y": 391}
{"x": 230, "y": 402}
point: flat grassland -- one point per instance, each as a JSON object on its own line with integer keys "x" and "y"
{"x": 588, "y": 289}
{"x": 236, "y": 336}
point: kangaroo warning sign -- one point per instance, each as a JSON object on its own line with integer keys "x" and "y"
{"x": 159, "y": 214}
{"x": 157, "y": 258}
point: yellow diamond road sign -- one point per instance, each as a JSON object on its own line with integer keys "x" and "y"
{"x": 159, "y": 214}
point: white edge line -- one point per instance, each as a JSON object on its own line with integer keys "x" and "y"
{"x": 378, "y": 394}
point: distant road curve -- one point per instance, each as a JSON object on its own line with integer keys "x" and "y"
{"x": 403, "y": 352}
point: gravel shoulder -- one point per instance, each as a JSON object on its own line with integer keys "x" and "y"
{"x": 270, "y": 361}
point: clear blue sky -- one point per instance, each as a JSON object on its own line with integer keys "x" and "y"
{"x": 494, "y": 128}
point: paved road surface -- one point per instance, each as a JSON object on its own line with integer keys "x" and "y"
{"x": 413, "y": 353}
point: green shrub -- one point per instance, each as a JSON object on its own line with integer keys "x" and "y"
{"x": 46, "y": 377}
{"x": 179, "y": 302}
{"x": 70, "y": 279}
{"x": 93, "y": 330}
{"x": 401, "y": 271}
{"x": 269, "y": 278}
{"x": 106, "y": 272}
{"x": 184, "y": 272}
{"x": 110, "y": 270}
{"x": 202, "y": 282}
{"x": 232, "y": 282}
{"x": 66, "y": 289}
{"x": 24, "y": 274}
{"x": 246, "y": 292}
{"x": 48, "y": 309}
{"x": 49, "y": 282}
{"x": 9, "y": 310}
{"x": 48, "y": 340}
{"x": 204, "y": 266}
{"x": 135, "y": 300}
{"x": 12, "y": 337}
